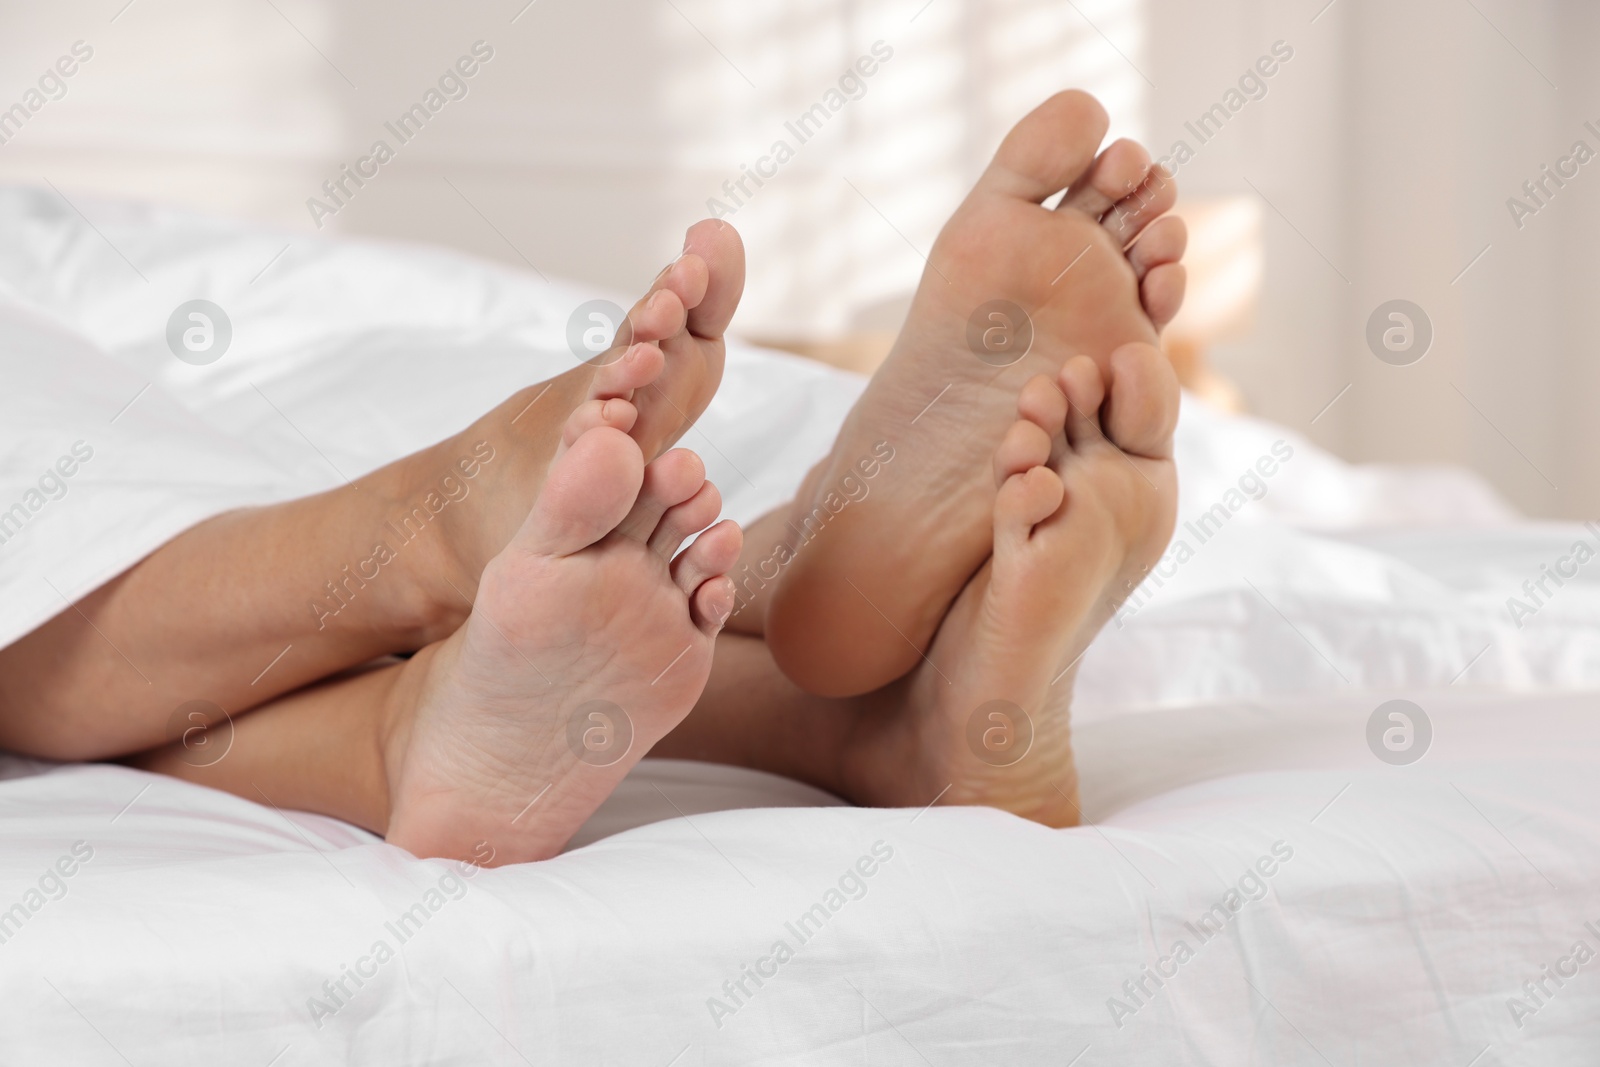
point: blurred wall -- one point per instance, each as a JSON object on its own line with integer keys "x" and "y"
{"x": 1383, "y": 153}
{"x": 591, "y": 139}
{"x": 1386, "y": 152}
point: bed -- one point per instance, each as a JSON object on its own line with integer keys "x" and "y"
{"x": 1276, "y": 869}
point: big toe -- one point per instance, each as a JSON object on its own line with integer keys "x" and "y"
{"x": 719, "y": 245}
{"x": 588, "y": 491}
{"x": 1050, "y": 149}
{"x": 1141, "y": 408}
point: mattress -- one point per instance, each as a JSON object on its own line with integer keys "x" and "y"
{"x": 1276, "y": 869}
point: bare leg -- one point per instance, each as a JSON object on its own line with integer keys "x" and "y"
{"x": 256, "y": 603}
{"x": 318, "y": 749}
{"x": 221, "y": 614}
{"x": 752, "y": 715}
{"x": 754, "y": 575}
{"x": 1077, "y": 522}
{"x": 323, "y": 748}
{"x": 589, "y": 618}
{"x": 253, "y": 603}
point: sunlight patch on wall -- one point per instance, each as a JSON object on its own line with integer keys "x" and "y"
{"x": 840, "y": 137}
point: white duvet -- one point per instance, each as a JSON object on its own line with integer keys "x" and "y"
{"x": 1257, "y": 887}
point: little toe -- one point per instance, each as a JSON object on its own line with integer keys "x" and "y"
{"x": 718, "y": 246}
{"x": 1144, "y": 205}
{"x": 683, "y": 521}
{"x": 588, "y": 490}
{"x": 1161, "y": 292}
{"x": 1164, "y": 241}
{"x": 1118, "y": 172}
{"x": 640, "y": 365}
{"x": 670, "y": 479}
{"x": 713, "y": 553}
{"x": 1142, "y": 401}
{"x": 1049, "y": 149}
{"x": 1085, "y": 390}
{"x": 712, "y": 603}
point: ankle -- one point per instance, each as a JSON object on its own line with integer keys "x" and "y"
{"x": 435, "y": 513}
{"x": 422, "y": 579}
{"x": 878, "y": 755}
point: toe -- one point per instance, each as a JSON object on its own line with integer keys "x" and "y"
{"x": 659, "y": 315}
{"x": 1041, "y": 403}
{"x": 683, "y": 521}
{"x": 669, "y": 480}
{"x": 1085, "y": 390}
{"x": 1117, "y": 173}
{"x": 1161, "y": 292}
{"x": 712, "y": 554}
{"x": 1142, "y": 401}
{"x": 1024, "y": 501}
{"x": 1163, "y": 242}
{"x": 588, "y": 491}
{"x": 712, "y": 603}
{"x": 617, "y": 414}
{"x": 1025, "y": 446}
{"x": 718, "y": 246}
{"x": 1049, "y": 149}
{"x": 640, "y": 365}
{"x": 1143, "y": 206}
{"x": 686, "y": 278}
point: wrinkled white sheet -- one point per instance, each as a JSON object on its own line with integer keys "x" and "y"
{"x": 1222, "y": 728}
{"x": 1412, "y": 906}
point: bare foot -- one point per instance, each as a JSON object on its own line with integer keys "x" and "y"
{"x": 869, "y": 583}
{"x": 587, "y": 643}
{"x": 984, "y": 719}
{"x": 666, "y": 367}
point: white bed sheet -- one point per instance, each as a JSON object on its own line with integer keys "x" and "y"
{"x": 1416, "y": 903}
{"x": 1412, "y": 905}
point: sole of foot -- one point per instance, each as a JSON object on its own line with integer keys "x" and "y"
{"x": 1012, "y": 290}
{"x": 590, "y": 638}
{"x": 651, "y": 385}
{"x": 1078, "y": 521}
